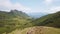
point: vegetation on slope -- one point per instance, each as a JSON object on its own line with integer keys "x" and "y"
{"x": 9, "y": 21}
{"x": 41, "y": 30}
{"x": 52, "y": 20}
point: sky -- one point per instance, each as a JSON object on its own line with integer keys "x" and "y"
{"x": 31, "y": 6}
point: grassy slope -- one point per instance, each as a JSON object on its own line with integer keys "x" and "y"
{"x": 18, "y": 31}
{"x": 37, "y": 30}
{"x": 44, "y": 30}
{"x": 9, "y": 21}
{"x": 52, "y": 20}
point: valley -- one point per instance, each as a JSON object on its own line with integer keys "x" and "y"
{"x": 18, "y": 22}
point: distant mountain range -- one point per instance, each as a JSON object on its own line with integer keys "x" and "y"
{"x": 37, "y": 15}
{"x": 17, "y": 13}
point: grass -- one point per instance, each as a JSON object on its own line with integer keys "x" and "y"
{"x": 45, "y": 30}
{"x": 37, "y": 30}
{"x": 52, "y": 30}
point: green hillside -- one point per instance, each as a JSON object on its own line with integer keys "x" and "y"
{"x": 52, "y": 20}
{"x": 9, "y": 21}
{"x": 16, "y": 21}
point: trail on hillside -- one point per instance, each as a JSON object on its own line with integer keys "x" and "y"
{"x": 41, "y": 30}
{"x": 37, "y": 30}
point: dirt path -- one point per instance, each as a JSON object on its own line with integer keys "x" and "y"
{"x": 36, "y": 30}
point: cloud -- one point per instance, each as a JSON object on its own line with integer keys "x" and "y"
{"x": 51, "y": 7}
{"x": 48, "y": 2}
{"x": 8, "y": 5}
{"x": 55, "y": 9}
{"x": 52, "y": 10}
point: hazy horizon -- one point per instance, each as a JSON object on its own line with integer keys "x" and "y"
{"x": 31, "y": 7}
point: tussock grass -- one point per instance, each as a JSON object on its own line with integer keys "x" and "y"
{"x": 41, "y": 30}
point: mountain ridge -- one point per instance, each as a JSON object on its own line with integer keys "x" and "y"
{"x": 15, "y": 19}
